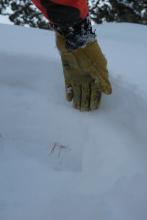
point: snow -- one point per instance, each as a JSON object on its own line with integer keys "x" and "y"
{"x": 5, "y": 19}
{"x": 59, "y": 163}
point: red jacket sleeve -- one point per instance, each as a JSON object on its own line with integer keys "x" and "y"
{"x": 40, "y": 7}
{"x": 64, "y": 11}
{"x": 81, "y": 5}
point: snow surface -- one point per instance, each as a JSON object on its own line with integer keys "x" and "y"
{"x": 57, "y": 163}
{"x": 4, "y": 19}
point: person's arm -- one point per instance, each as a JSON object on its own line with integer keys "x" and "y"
{"x": 84, "y": 65}
{"x": 63, "y": 12}
{"x": 69, "y": 18}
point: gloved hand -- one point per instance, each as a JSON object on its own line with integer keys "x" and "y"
{"x": 85, "y": 73}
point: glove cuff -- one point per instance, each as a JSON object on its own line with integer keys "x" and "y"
{"x": 78, "y": 35}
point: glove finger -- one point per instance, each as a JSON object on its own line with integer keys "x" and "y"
{"x": 104, "y": 85}
{"x": 76, "y": 96}
{"x": 85, "y": 99}
{"x": 101, "y": 80}
{"x": 95, "y": 97}
{"x": 68, "y": 91}
{"x": 101, "y": 77}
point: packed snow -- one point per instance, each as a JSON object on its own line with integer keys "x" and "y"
{"x": 57, "y": 163}
{"x": 5, "y": 19}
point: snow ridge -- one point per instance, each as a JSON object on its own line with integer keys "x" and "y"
{"x": 56, "y": 162}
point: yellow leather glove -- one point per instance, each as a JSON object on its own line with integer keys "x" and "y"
{"x": 85, "y": 73}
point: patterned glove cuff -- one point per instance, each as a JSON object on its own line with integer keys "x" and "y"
{"x": 79, "y": 35}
